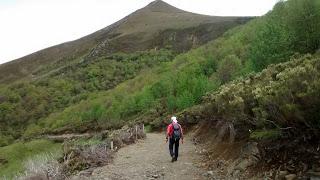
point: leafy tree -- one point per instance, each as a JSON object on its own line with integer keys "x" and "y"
{"x": 292, "y": 27}
{"x": 228, "y": 68}
{"x": 303, "y": 19}
{"x": 184, "y": 100}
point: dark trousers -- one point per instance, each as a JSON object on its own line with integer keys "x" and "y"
{"x": 174, "y": 143}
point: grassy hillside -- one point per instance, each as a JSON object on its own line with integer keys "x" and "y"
{"x": 181, "y": 83}
{"x": 277, "y": 102}
{"x": 73, "y": 103}
{"x": 25, "y": 103}
{"x": 137, "y": 32}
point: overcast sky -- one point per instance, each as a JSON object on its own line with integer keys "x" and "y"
{"x": 27, "y": 26}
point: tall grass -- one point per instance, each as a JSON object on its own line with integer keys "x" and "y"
{"x": 18, "y": 153}
{"x": 42, "y": 165}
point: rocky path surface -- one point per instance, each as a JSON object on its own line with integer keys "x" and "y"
{"x": 149, "y": 159}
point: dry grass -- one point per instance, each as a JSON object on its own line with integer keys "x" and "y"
{"x": 45, "y": 165}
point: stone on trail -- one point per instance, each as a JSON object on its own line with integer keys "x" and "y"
{"x": 291, "y": 177}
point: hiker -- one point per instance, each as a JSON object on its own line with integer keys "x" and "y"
{"x": 174, "y": 134}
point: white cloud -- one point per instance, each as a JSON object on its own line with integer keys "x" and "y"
{"x": 30, "y": 25}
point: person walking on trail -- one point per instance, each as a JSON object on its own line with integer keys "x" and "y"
{"x": 174, "y": 134}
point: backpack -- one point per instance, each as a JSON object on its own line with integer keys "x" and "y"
{"x": 176, "y": 131}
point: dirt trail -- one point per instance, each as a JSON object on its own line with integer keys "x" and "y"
{"x": 149, "y": 159}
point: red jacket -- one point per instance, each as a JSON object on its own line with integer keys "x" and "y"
{"x": 170, "y": 130}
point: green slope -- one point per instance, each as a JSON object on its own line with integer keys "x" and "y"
{"x": 165, "y": 88}
{"x": 50, "y": 80}
{"x": 181, "y": 83}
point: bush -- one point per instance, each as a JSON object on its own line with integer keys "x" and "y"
{"x": 5, "y": 140}
{"x": 95, "y": 113}
{"x": 281, "y": 97}
{"x": 229, "y": 68}
{"x": 265, "y": 134}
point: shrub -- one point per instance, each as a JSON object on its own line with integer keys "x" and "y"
{"x": 265, "y": 134}
{"x": 229, "y": 68}
{"x": 281, "y": 97}
{"x": 5, "y": 140}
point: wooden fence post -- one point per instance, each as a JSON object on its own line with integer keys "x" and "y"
{"x": 143, "y": 128}
{"x": 136, "y": 132}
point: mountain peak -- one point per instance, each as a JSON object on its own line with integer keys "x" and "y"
{"x": 161, "y": 6}
{"x": 157, "y": 3}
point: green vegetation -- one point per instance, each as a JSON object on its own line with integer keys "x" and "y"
{"x": 147, "y": 129}
{"x": 241, "y": 79}
{"x": 153, "y": 89}
{"x": 282, "y": 100}
{"x": 113, "y": 90}
{"x": 24, "y": 104}
{"x": 16, "y": 153}
{"x": 292, "y": 27}
{"x": 87, "y": 142}
{"x": 266, "y": 134}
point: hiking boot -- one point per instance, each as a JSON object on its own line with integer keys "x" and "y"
{"x": 173, "y": 159}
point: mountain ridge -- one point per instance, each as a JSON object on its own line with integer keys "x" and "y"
{"x": 140, "y": 30}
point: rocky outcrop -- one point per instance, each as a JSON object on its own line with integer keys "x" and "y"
{"x": 250, "y": 156}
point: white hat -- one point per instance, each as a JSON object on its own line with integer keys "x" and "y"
{"x": 174, "y": 119}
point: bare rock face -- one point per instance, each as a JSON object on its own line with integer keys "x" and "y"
{"x": 250, "y": 156}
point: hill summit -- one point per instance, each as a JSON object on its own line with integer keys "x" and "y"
{"x": 157, "y": 25}
{"x": 161, "y": 6}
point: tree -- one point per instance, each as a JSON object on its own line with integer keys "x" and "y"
{"x": 228, "y": 68}
{"x": 304, "y": 21}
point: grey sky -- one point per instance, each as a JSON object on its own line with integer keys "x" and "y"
{"x": 31, "y": 25}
